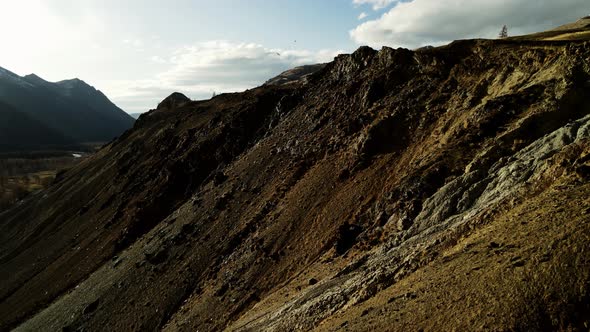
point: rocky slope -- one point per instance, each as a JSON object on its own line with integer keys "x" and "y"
{"x": 295, "y": 75}
{"x": 439, "y": 189}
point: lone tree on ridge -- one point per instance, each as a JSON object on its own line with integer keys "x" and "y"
{"x": 503, "y": 32}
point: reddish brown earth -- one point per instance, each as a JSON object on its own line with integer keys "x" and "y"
{"x": 438, "y": 189}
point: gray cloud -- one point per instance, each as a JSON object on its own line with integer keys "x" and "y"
{"x": 434, "y": 22}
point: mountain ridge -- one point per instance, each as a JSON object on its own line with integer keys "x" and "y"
{"x": 438, "y": 189}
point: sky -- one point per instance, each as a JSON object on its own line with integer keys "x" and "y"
{"x": 139, "y": 51}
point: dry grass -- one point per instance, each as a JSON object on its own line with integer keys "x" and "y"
{"x": 580, "y": 35}
{"x": 19, "y": 177}
{"x": 556, "y": 298}
{"x": 15, "y": 188}
{"x": 528, "y": 270}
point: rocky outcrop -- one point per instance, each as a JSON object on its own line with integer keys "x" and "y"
{"x": 459, "y": 205}
{"x": 297, "y": 74}
{"x": 173, "y": 101}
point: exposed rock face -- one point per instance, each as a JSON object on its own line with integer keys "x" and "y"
{"x": 173, "y": 101}
{"x": 434, "y": 189}
{"x": 296, "y": 75}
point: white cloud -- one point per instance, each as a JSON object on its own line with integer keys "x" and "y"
{"x": 434, "y": 22}
{"x": 135, "y": 44}
{"x": 158, "y": 59}
{"x": 377, "y": 4}
{"x": 221, "y": 66}
{"x": 362, "y": 16}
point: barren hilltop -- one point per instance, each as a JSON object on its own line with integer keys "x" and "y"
{"x": 439, "y": 189}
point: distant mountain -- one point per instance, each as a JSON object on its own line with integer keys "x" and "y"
{"x": 19, "y": 131}
{"x": 135, "y": 115}
{"x": 70, "y": 111}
